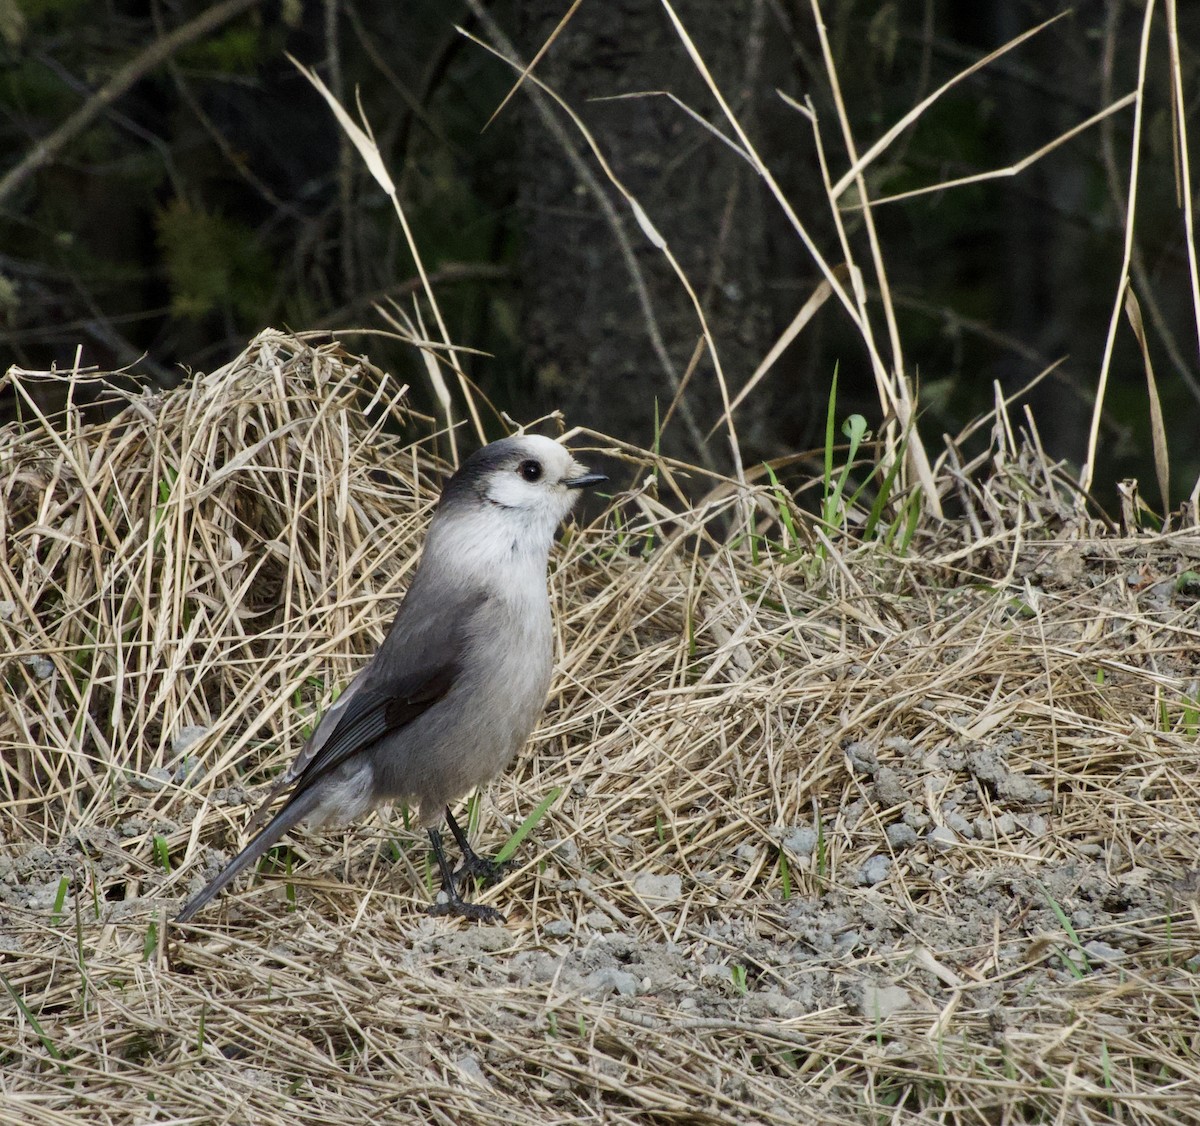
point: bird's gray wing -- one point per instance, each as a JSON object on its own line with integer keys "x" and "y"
{"x": 414, "y": 668}
{"x": 375, "y": 711}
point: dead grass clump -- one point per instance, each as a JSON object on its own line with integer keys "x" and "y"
{"x": 839, "y": 834}
{"x": 195, "y": 552}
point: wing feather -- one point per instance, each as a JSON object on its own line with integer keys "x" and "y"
{"x": 371, "y": 715}
{"x": 414, "y": 668}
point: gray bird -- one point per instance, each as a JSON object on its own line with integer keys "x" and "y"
{"x": 461, "y": 678}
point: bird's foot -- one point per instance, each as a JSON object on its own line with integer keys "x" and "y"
{"x": 452, "y": 902}
{"x": 478, "y": 867}
{"x": 459, "y": 907}
{"x": 481, "y": 868}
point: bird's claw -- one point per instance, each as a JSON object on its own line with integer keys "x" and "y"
{"x": 476, "y": 912}
{"x": 487, "y": 871}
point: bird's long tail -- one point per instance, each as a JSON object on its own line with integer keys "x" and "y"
{"x": 293, "y": 812}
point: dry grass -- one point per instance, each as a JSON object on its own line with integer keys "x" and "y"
{"x": 842, "y": 836}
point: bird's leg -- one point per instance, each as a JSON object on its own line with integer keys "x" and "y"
{"x": 455, "y": 904}
{"x": 473, "y": 864}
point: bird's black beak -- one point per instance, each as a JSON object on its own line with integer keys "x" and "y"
{"x": 586, "y": 481}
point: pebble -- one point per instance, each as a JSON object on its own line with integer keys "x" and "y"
{"x": 187, "y": 738}
{"x": 800, "y": 842}
{"x": 874, "y": 870}
{"x": 959, "y": 824}
{"x": 1102, "y": 951}
{"x": 469, "y": 1068}
{"x": 900, "y": 835}
{"x": 941, "y": 838}
{"x": 602, "y": 982}
{"x": 664, "y": 889}
{"x": 598, "y": 921}
{"x": 880, "y": 1001}
{"x": 153, "y": 779}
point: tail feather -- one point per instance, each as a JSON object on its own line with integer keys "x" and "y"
{"x": 292, "y": 813}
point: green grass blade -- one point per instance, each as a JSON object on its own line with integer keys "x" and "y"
{"x": 34, "y": 1023}
{"x": 526, "y": 826}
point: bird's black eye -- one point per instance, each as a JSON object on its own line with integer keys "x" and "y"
{"x": 531, "y": 470}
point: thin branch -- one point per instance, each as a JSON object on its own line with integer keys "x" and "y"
{"x": 46, "y": 151}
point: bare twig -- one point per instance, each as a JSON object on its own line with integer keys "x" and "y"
{"x": 46, "y": 151}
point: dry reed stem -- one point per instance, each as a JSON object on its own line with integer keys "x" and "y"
{"x": 978, "y": 763}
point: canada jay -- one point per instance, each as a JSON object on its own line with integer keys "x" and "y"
{"x": 461, "y": 677}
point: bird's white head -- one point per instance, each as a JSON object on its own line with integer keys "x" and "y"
{"x": 516, "y": 490}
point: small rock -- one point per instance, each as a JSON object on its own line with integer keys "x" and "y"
{"x": 602, "y": 982}
{"x": 959, "y": 824}
{"x": 1102, "y": 952}
{"x": 941, "y": 838}
{"x": 900, "y": 835}
{"x": 41, "y": 667}
{"x": 7, "y": 610}
{"x": 801, "y": 843}
{"x": 874, "y": 870}
{"x": 880, "y": 1001}
{"x": 557, "y": 928}
{"x": 187, "y": 738}
{"x": 153, "y": 780}
{"x": 662, "y": 889}
{"x": 469, "y": 1068}
{"x": 598, "y": 921}
{"x": 746, "y": 853}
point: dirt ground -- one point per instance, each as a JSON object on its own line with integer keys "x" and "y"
{"x": 841, "y": 834}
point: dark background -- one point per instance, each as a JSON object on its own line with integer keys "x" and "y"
{"x": 216, "y": 196}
